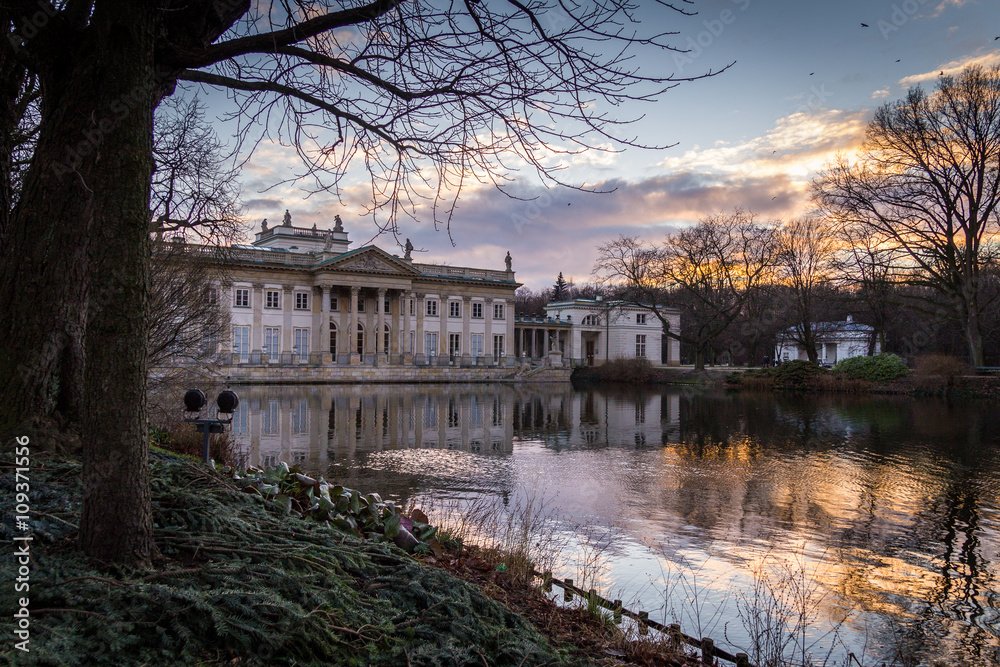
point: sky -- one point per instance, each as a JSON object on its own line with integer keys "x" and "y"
{"x": 806, "y": 80}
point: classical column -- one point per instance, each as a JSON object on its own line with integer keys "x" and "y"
{"x": 257, "y": 330}
{"x": 380, "y": 322}
{"x": 405, "y": 349}
{"x": 466, "y": 345}
{"x": 420, "y": 324}
{"x": 352, "y": 328}
{"x": 286, "y": 319}
{"x": 488, "y": 333}
{"x": 323, "y": 344}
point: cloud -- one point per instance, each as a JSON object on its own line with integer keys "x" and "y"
{"x": 798, "y": 145}
{"x": 954, "y": 67}
{"x": 880, "y": 94}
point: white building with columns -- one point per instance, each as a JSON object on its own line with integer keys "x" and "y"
{"x": 593, "y": 331}
{"x": 303, "y": 296}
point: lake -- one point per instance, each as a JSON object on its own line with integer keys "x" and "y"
{"x": 875, "y": 519}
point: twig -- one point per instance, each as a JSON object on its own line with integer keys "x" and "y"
{"x": 53, "y": 610}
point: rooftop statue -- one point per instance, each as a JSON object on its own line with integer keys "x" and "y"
{"x": 409, "y": 250}
{"x": 508, "y": 260}
{"x": 338, "y": 225}
{"x": 263, "y": 226}
{"x": 288, "y": 219}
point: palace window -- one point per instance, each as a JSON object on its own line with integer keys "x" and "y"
{"x": 640, "y": 346}
{"x": 498, "y": 313}
{"x": 498, "y": 350}
{"x": 301, "y": 337}
{"x": 477, "y": 310}
{"x": 432, "y": 308}
{"x": 430, "y": 344}
{"x": 272, "y": 338}
{"x": 387, "y": 306}
{"x": 241, "y": 298}
{"x": 302, "y": 301}
{"x": 454, "y": 344}
{"x": 590, "y": 321}
{"x": 640, "y": 318}
{"x": 454, "y": 309}
{"x": 361, "y": 304}
{"x": 334, "y": 303}
{"x": 241, "y": 340}
{"x": 272, "y": 299}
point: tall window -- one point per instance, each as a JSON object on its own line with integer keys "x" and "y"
{"x": 498, "y": 311}
{"x": 272, "y": 340}
{"x": 387, "y": 306}
{"x": 361, "y": 339}
{"x": 334, "y": 303}
{"x": 412, "y": 309}
{"x": 272, "y": 299}
{"x": 241, "y": 297}
{"x": 454, "y": 309}
{"x": 477, "y": 345}
{"x": 432, "y": 308}
{"x": 454, "y": 344}
{"x": 498, "y": 350}
{"x": 333, "y": 339}
{"x": 430, "y": 344}
{"x": 385, "y": 339}
{"x": 640, "y": 345}
{"x": 302, "y": 301}
{"x": 300, "y": 417}
{"x": 302, "y": 341}
{"x": 241, "y": 340}
{"x": 477, "y": 310}
{"x": 269, "y": 419}
{"x": 361, "y": 304}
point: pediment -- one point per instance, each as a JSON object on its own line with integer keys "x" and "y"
{"x": 370, "y": 260}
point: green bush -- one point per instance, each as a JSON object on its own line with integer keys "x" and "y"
{"x": 797, "y": 375}
{"x": 880, "y": 368}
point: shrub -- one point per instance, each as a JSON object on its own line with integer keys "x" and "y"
{"x": 879, "y": 368}
{"x": 942, "y": 366}
{"x": 797, "y": 375}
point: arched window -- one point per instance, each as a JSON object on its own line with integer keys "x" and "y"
{"x": 385, "y": 340}
{"x": 361, "y": 339}
{"x": 333, "y": 338}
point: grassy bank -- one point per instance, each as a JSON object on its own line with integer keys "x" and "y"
{"x": 240, "y": 581}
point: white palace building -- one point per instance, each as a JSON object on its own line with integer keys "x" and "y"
{"x": 303, "y": 306}
{"x": 302, "y": 297}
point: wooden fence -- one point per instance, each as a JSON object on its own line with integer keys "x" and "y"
{"x": 709, "y": 651}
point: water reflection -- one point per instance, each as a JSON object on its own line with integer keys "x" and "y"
{"x": 891, "y": 505}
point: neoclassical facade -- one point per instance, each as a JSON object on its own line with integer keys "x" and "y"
{"x": 302, "y": 296}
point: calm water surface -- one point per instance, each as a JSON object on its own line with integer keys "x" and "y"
{"x": 884, "y": 513}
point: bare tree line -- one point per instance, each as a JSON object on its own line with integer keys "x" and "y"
{"x": 903, "y": 237}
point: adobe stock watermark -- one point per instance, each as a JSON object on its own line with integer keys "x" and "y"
{"x": 532, "y": 212}
{"x": 902, "y": 13}
{"x": 22, "y": 544}
{"x": 713, "y": 30}
{"x": 816, "y": 99}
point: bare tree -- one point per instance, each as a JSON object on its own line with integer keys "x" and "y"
{"x": 927, "y": 182}
{"x": 193, "y": 188}
{"x": 805, "y": 262}
{"x": 714, "y": 267}
{"x": 425, "y": 95}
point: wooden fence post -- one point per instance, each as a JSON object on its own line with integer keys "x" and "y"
{"x": 567, "y": 592}
{"x": 707, "y": 650}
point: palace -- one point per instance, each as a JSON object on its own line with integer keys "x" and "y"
{"x": 302, "y": 297}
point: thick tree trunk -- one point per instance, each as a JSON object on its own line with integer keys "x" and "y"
{"x": 116, "y": 521}
{"x": 43, "y": 268}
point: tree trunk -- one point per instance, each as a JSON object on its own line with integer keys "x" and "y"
{"x": 116, "y": 520}
{"x": 43, "y": 280}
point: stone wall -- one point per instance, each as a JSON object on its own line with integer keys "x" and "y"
{"x": 388, "y": 374}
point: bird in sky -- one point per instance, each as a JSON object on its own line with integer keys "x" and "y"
{"x": 897, "y": 60}
{"x": 864, "y": 25}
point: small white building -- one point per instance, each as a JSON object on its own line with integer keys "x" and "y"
{"x": 834, "y": 341}
{"x": 593, "y": 331}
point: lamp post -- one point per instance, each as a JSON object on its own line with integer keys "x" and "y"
{"x": 195, "y": 401}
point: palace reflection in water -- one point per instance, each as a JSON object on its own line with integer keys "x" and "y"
{"x": 892, "y": 505}
{"x": 314, "y": 426}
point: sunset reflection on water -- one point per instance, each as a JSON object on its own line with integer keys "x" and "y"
{"x": 890, "y": 507}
